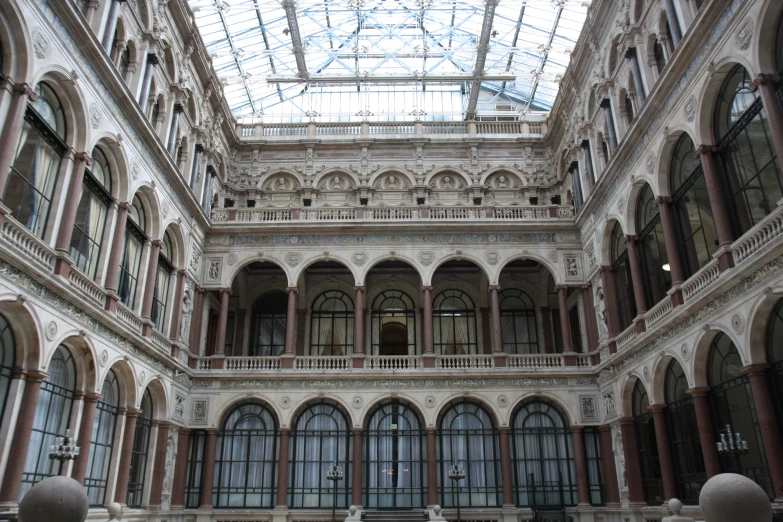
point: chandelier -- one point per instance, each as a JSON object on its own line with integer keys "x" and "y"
{"x": 732, "y": 444}
{"x": 64, "y": 448}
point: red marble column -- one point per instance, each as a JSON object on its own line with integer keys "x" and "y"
{"x": 282, "y": 468}
{"x": 79, "y": 470}
{"x": 494, "y": 306}
{"x": 720, "y": 207}
{"x": 591, "y": 322}
{"x": 505, "y": 466}
{"x": 115, "y": 256}
{"x": 638, "y": 279}
{"x": 768, "y": 424}
{"x": 152, "y": 273}
{"x": 670, "y": 239}
{"x": 766, "y": 83}
{"x": 156, "y": 491}
{"x": 220, "y": 348}
{"x": 209, "y": 470}
{"x": 358, "y": 326}
{"x": 609, "y": 468}
{"x": 581, "y": 465}
{"x": 63, "y": 245}
{"x": 126, "y": 452}
{"x": 633, "y": 470}
{"x": 176, "y": 317}
{"x": 14, "y": 468}
{"x": 427, "y": 319}
{"x": 195, "y": 320}
{"x": 9, "y": 139}
{"x": 290, "y": 321}
{"x": 665, "y": 459}
{"x": 180, "y": 469}
{"x": 709, "y": 450}
{"x": 432, "y": 467}
{"x": 356, "y": 486}
{"x": 565, "y": 324}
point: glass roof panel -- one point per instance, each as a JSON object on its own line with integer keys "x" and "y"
{"x": 388, "y": 60}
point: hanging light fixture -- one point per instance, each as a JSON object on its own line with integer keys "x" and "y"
{"x": 731, "y": 443}
{"x": 64, "y": 448}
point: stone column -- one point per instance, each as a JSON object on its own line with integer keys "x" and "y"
{"x": 111, "y": 24}
{"x": 290, "y": 321}
{"x": 152, "y": 61}
{"x": 609, "y": 468}
{"x": 195, "y": 168}
{"x": 126, "y": 453}
{"x": 220, "y": 345}
{"x": 494, "y": 305}
{"x": 63, "y": 246}
{"x": 14, "y": 120}
{"x": 766, "y": 83}
{"x": 115, "y": 256}
{"x": 152, "y": 273}
{"x": 358, "y": 325}
{"x": 581, "y": 465}
{"x": 606, "y": 105}
{"x": 633, "y": 471}
{"x": 172, "y": 141}
{"x": 282, "y": 469}
{"x": 180, "y": 469}
{"x": 432, "y": 467}
{"x": 610, "y": 306}
{"x": 195, "y": 320}
{"x": 505, "y": 466}
{"x": 356, "y": 486}
{"x": 636, "y": 71}
{"x": 768, "y": 424}
{"x": 84, "y": 439}
{"x": 591, "y": 321}
{"x": 206, "y": 196}
{"x": 589, "y": 162}
{"x": 665, "y": 459}
{"x": 637, "y": 278}
{"x": 670, "y": 238}
{"x": 176, "y": 317}
{"x": 427, "y": 319}
{"x": 565, "y": 324}
{"x": 709, "y": 451}
{"x": 720, "y": 208}
{"x": 17, "y": 455}
{"x": 209, "y": 470}
{"x": 159, "y": 467}
{"x": 674, "y": 24}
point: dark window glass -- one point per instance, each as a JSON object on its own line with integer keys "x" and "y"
{"x": 518, "y": 322}
{"x": 131, "y": 257}
{"x": 647, "y": 446}
{"x": 454, "y": 324}
{"x": 660, "y": 57}
{"x": 269, "y": 321}
{"x": 775, "y": 353}
{"x": 393, "y": 324}
{"x": 595, "y": 470}
{"x": 7, "y": 360}
{"x": 195, "y": 477}
{"x": 160, "y": 298}
{"x": 651, "y": 249}
{"x": 140, "y": 452}
{"x": 90, "y": 222}
{"x": 621, "y": 275}
{"x": 629, "y": 109}
{"x": 331, "y": 325}
{"x": 97, "y": 478}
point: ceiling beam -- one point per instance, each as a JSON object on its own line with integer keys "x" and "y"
{"x": 481, "y": 58}
{"x": 296, "y": 37}
{"x": 429, "y": 78}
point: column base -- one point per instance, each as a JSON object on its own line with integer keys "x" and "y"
{"x": 725, "y": 258}
{"x": 500, "y": 359}
{"x": 62, "y": 266}
{"x": 218, "y": 362}
{"x": 639, "y": 324}
{"x": 111, "y": 302}
{"x": 358, "y": 360}
{"x": 8, "y": 506}
{"x": 287, "y": 362}
{"x": 429, "y": 360}
{"x": 569, "y": 358}
{"x": 509, "y": 513}
{"x": 280, "y": 514}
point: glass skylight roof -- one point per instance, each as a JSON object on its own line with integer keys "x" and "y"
{"x": 389, "y": 60}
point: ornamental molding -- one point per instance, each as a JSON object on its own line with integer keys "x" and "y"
{"x": 394, "y": 239}
{"x": 386, "y": 384}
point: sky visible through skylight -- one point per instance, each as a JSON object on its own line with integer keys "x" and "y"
{"x": 388, "y": 60}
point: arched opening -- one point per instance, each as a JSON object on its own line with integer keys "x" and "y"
{"x": 468, "y": 436}
{"x": 130, "y": 266}
{"x": 518, "y": 322}
{"x": 621, "y": 276}
{"x": 775, "y": 353}
{"x": 393, "y": 324}
{"x": 163, "y": 282}
{"x": 269, "y": 320}
{"x": 660, "y": 56}
{"x": 454, "y": 324}
{"x": 97, "y": 478}
{"x": 651, "y": 248}
{"x": 394, "y": 457}
{"x": 646, "y": 445}
{"x": 321, "y": 437}
{"x": 247, "y": 455}
{"x": 140, "y": 452}
{"x": 331, "y": 325}
{"x": 7, "y": 361}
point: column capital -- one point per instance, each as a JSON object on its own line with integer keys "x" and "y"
{"x": 35, "y": 376}
{"x": 657, "y": 408}
{"x": 587, "y": 286}
{"x": 164, "y": 424}
{"x": 284, "y": 431}
{"x": 625, "y": 421}
{"x": 604, "y": 427}
{"x": 357, "y": 430}
{"x": 184, "y": 431}
{"x": 494, "y": 288}
{"x": 290, "y": 289}
{"x": 359, "y": 288}
{"x": 700, "y": 391}
{"x": 224, "y": 290}
{"x": 431, "y": 429}
{"x": 630, "y": 53}
{"x": 91, "y": 397}
{"x": 124, "y": 205}
{"x": 157, "y": 243}
{"x": 764, "y": 79}
{"x": 212, "y": 431}
{"x": 25, "y": 89}
{"x": 701, "y": 150}
{"x": 751, "y": 369}
{"x": 152, "y": 59}
{"x": 181, "y": 272}
{"x": 132, "y": 412}
{"x": 83, "y": 156}
{"x": 426, "y": 288}
{"x": 504, "y": 429}
{"x": 604, "y": 268}
{"x": 662, "y": 199}
{"x": 630, "y": 239}
{"x": 577, "y": 429}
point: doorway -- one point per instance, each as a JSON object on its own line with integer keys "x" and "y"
{"x": 394, "y": 339}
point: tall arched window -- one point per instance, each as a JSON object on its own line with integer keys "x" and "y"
{"x": 246, "y": 463}
{"x": 454, "y": 324}
{"x": 131, "y": 257}
{"x": 543, "y": 456}
{"x": 684, "y": 434}
{"x": 162, "y": 283}
{"x": 91, "y": 213}
{"x": 652, "y": 249}
{"x": 102, "y": 440}
{"x": 629, "y": 112}
{"x": 7, "y": 360}
{"x": 331, "y": 330}
{"x": 750, "y": 166}
{"x": 646, "y": 445}
{"x": 518, "y": 322}
{"x": 321, "y": 438}
{"x": 270, "y": 312}
{"x": 141, "y": 446}
{"x": 394, "y": 457}
{"x": 52, "y": 417}
{"x": 732, "y": 405}
{"x": 30, "y": 186}
{"x": 775, "y": 353}
{"x": 393, "y": 324}
{"x": 469, "y": 437}
{"x": 660, "y": 56}
{"x": 125, "y": 59}
{"x": 698, "y": 238}
{"x": 195, "y": 475}
{"x": 621, "y": 275}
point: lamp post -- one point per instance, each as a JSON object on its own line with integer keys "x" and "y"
{"x": 334, "y": 474}
{"x": 64, "y": 448}
{"x": 456, "y": 473}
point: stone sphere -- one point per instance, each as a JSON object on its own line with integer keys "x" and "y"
{"x": 675, "y": 505}
{"x": 436, "y": 509}
{"x": 55, "y": 499}
{"x": 352, "y": 510}
{"x": 729, "y": 497}
{"x": 114, "y": 509}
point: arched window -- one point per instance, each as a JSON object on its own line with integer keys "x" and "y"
{"x": 30, "y": 186}
{"x": 162, "y": 283}
{"x": 775, "y": 353}
{"x": 393, "y": 324}
{"x": 684, "y": 434}
{"x": 270, "y": 312}
{"x": 321, "y": 438}
{"x": 91, "y": 213}
{"x": 732, "y": 405}
{"x": 195, "y": 476}
{"x": 518, "y": 322}
{"x": 125, "y": 59}
{"x": 543, "y": 456}
{"x": 96, "y": 480}
{"x": 750, "y": 167}
{"x": 652, "y": 249}
{"x": 394, "y": 457}
{"x": 331, "y": 330}
{"x": 7, "y": 360}
{"x": 660, "y": 56}
{"x": 629, "y": 112}
{"x": 454, "y": 324}
{"x": 141, "y": 446}
{"x": 595, "y": 470}
{"x": 52, "y": 418}
{"x": 131, "y": 257}
{"x": 247, "y": 452}
{"x": 469, "y": 437}
{"x": 621, "y": 276}
{"x": 698, "y": 238}
{"x": 646, "y": 445}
